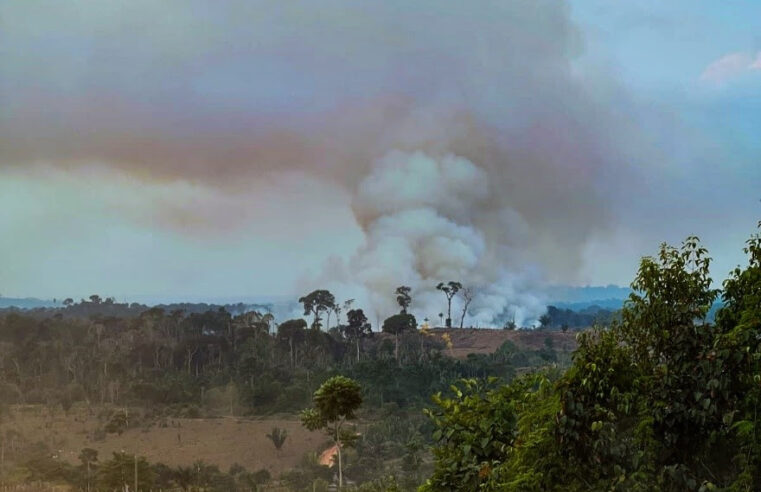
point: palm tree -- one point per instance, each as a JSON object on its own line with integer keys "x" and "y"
{"x": 278, "y": 437}
{"x": 450, "y": 290}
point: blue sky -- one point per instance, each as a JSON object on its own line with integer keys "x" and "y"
{"x": 211, "y": 149}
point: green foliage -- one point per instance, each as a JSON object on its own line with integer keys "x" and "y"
{"x": 403, "y": 297}
{"x": 399, "y": 323}
{"x": 648, "y": 404}
{"x": 384, "y": 484}
{"x": 450, "y": 289}
{"x": 357, "y": 325}
{"x": 117, "y": 424}
{"x": 278, "y": 437}
{"x": 88, "y": 456}
{"x": 585, "y": 318}
{"x": 661, "y": 400}
{"x": 306, "y": 474}
{"x": 336, "y": 400}
{"x": 474, "y": 431}
{"x": 119, "y": 471}
{"x": 191, "y": 360}
{"x": 317, "y": 302}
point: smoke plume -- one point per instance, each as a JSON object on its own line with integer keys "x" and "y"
{"x": 429, "y": 219}
{"x": 469, "y": 145}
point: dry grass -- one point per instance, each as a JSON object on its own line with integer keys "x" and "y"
{"x": 219, "y": 441}
{"x": 486, "y": 341}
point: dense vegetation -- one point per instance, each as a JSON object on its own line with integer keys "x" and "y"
{"x": 661, "y": 397}
{"x": 660, "y": 400}
{"x": 135, "y": 367}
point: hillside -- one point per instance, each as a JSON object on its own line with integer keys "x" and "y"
{"x": 485, "y": 341}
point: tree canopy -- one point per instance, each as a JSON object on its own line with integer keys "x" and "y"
{"x": 317, "y": 302}
{"x": 660, "y": 400}
{"x": 335, "y": 402}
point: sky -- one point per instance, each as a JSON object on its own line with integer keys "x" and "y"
{"x": 206, "y": 150}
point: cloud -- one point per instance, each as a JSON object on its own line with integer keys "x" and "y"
{"x": 756, "y": 65}
{"x": 730, "y": 67}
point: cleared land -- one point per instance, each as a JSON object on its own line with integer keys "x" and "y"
{"x": 219, "y": 441}
{"x": 225, "y": 441}
{"x": 483, "y": 341}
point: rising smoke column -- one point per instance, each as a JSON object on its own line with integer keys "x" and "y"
{"x": 420, "y": 214}
{"x": 468, "y": 146}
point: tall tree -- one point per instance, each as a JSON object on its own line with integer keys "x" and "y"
{"x": 317, "y": 302}
{"x": 88, "y": 457}
{"x": 292, "y": 332}
{"x": 403, "y": 297}
{"x": 335, "y": 402}
{"x": 467, "y": 297}
{"x": 338, "y": 309}
{"x": 396, "y": 325}
{"x": 357, "y": 327}
{"x": 450, "y": 289}
{"x": 118, "y": 473}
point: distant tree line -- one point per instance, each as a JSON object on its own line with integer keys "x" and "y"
{"x": 565, "y": 319}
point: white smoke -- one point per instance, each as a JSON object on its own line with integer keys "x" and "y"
{"x": 420, "y": 213}
{"x": 473, "y": 145}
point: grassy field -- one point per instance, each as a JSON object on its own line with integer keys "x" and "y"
{"x": 220, "y": 441}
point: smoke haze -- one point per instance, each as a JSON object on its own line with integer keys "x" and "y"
{"x": 379, "y": 144}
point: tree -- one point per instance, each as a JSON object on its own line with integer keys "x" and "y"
{"x": 95, "y": 299}
{"x": 338, "y": 309}
{"x": 68, "y": 301}
{"x": 357, "y": 327}
{"x": 278, "y": 437}
{"x": 184, "y": 476}
{"x": 659, "y": 400}
{"x": 662, "y": 394}
{"x": 467, "y": 297}
{"x": 473, "y": 432}
{"x": 335, "y": 402}
{"x": 118, "y": 423}
{"x": 292, "y": 331}
{"x": 315, "y": 303}
{"x": 88, "y": 457}
{"x": 396, "y": 325}
{"x": 545, "y": 320}
{"x": 403, "y": 297}
{"x": 119, "y": 472}
{"x": 450, "y": 289}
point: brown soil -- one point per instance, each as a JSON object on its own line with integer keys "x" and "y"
{"x": 486, "y": 341}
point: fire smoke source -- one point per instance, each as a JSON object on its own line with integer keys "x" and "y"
{"x": 424, "y": 219}
{"x": 463, "y": 140}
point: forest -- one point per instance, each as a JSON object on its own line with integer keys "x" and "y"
{"x": 654, "y": 397}
{"x": 134, "y": 368}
